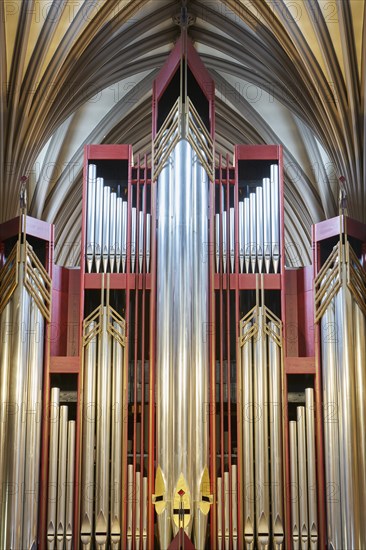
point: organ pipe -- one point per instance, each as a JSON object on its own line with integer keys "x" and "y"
{"x": 258, "y": 228}
{"x": 232, "y": 240}
{"x": 61, "y": 478}
{"x": 241, "y": 236}
{"x": 112, "y": 231}
{"x": 303, "y": 485}
{"x": 311, "y": 468}
{"x": 338, "y": 294}
{"x": 90, "y": 217}
{"x": 107, "y": 230}
{"x": 34, "y": 407}
{"x": 98, "y": 222}
{"x": 25, "y": 300}
{"x": 304, "y": 522}
{"x": 294, "y": 480}
{"x": 70, "y": 478}
{"x": 182, "y": 299}
{"x": 275, "y": 217}
{"x": 260, "y": 343}
{"x": 103, "y": 341}
{"x": 52, "y": 473}
{"x": 119, "y": 207}
{"x": 106, "y": 226}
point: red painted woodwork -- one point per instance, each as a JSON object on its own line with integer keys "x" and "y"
{"x": 33, "y": 227}
{"x": 181, "y": 542}
{"x": 199, "y": 71}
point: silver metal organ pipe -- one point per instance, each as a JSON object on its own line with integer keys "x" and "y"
{"x": 311, "y": 468}
{"x": 164, "y": 381}
{"x": 61, "y": 478}
{"x": 360, "y": 381}
{"x": 261, "y": 434}
{"x": 275, "y": 422}
{"x": 217, "y": 243}
{"x": 224, "y": 240}
{"x": 350, "y": 517}
{"x": 34, "y": 413}
{"x": 105, "y": 225}
{"x": 294, "y": 480}
{"x": 303, "y": 485}
{"x": 248, "y": 445}
{"x": 118, "y": 233}
{"x": 182, "y": 296}
{"x": 260, "y": 230}
{"x": 16, "y": 427}
{"x": 331, "y": 420}
{"x": 232, "y": 239}
{"x": 99, "y": 196}
{"x": 103, "y": 434}
{"x": 275, "y": 217}
{"x": 70, "y": 476}
{"x": 117, "y": 436}
{"x": 88, "y": 440}
{"x": 241, "y": 236}
{"x": 52, "y": 474}
{"x": 148, "y": 241}
{"x": 5, "y": 362}
{"x": 141, "y": 240}
{"x": 247, "y": 232}
{"x": 199, "y": 376}
{"x": 90, "y": 215}
{"x": 253, "y": 230}
{"x": 267, "y": 223}
{"x": 133, "y": 238}
{"x": 112, "y": 231}
{"x": 124, "y": 236}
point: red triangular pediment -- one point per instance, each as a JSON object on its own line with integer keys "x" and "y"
{"x": 199, "y": 71}
{"x": 177, "y": 542}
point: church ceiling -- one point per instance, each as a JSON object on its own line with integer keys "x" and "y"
{"x": 286, "y": 71}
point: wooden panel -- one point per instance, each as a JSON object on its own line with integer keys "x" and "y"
{"x": 35, "y": 228}
{"x": 108, "y": 152}
{"x": 300, "y": 365}
{"x": 64, "y": 364}
{"x": 291, "y": 314}
{"x": 332, "y": 227}
{"x": 257, "y": 152}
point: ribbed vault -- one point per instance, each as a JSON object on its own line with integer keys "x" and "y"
{"x": 76, "y": 72}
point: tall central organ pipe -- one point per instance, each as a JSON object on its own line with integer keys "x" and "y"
{"x": 182, "y": 351}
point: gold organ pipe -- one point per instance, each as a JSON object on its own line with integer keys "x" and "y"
{"x": 311, "y": 468}
{"x": 303, "y": 485}
{"x": 52, "y": 474}
{"x": 103, "y": 434}
{"x": 61, "y": 478}
{"x": 70, "y": 477}
{"x": 117, "y": 434}
{"x": 294, "y": 477}
{"x": 88, "y": 439}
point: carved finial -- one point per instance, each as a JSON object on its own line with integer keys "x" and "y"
{"x": 342, "y": 200}
{"x": 23, "y": 193}
{"x": 184, "y": 19}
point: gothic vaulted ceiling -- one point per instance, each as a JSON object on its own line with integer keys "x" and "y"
{"x": 286, "y": 71}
